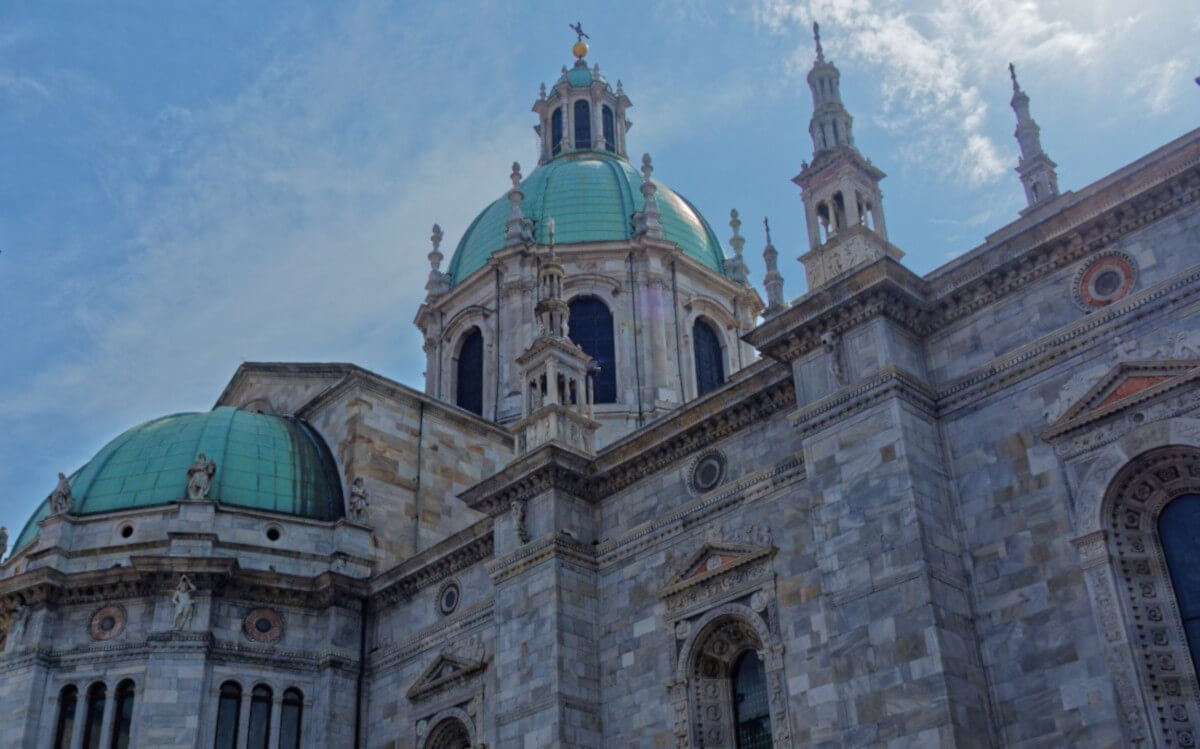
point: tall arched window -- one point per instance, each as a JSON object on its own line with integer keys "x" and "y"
{"x": 710, "y": 371}
{"x": 1177, "y": 529}
{"x": 258, "y": 735}
{"x": 591, "y": 326}
{"x": 68, "y": 699}
{"x": 608, "y": 123}
{"x": 556, "y": 131}
{"x": 123, "y": 716}
{"x": 289, "y": 719}
{"x": 583, "y": 124}
{"x": 751, "y": 711}
{"x": 229, "y": 712}
{"x": 94, "y": 721}
{"x": 469, "y": 393}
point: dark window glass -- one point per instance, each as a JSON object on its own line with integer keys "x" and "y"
{"x": 68, "y": 698}
{"x": 583, "y": 124}
{"x": 259, "y": 734}
{"x": 123, "y": 717}
{"x": 470, "y": 372}
{"x": 751, "y": 713}
{"x": 1177, "y": 529}
{"x": 94, "y": 721}
{"x": 289, "y": 719}
{"x": 556, "y": 132}
{"x": 610, "y": 138}
{"x": 229, "y": 711}
{"x": 591, "y": 326}
{"x": 710, "y": 372}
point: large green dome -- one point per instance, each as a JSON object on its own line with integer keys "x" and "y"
{"x": 592, "y": 197}
{"x": 273, "y": 463}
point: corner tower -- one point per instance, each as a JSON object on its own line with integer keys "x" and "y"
{"x": 644, "y": 280}
{"x": 843, "y": 205}
{"x": 1037, "y": 170}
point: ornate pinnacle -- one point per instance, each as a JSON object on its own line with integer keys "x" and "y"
{"x": 620, "y": 88}
{"x": 647, "y": 167}
{"x": 1012, "y": 72}
{"x": 542, "y": 91}
{"x": 516, "y": 176}
{"x": 773, "y": 281}
{"x": 518, "y": 229}
{"x": 647, "y": 221}
{"x": 737, "y": 241}
{"x": 435, "y": 257}
{"x": 735, "y": 267}
{"x": 817, "y": 39}
{"x": 767, "y": 226}
{"x": 438, "y": 283}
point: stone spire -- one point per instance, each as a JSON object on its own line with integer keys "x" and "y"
{"x": 438, "y": 283}
{"x": 556, "y": 374}
{"x": 518, "y": 230}
{"x": 1035, "y": 168}
{"x": 648, "y": 222}
{"x": 843, "y": 205}
{"x": 773, "y": 281}
{"x": 735, "y": 267}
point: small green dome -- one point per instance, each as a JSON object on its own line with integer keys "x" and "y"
{"x": 273, "y": 463}
{"x": 592, "y": 197}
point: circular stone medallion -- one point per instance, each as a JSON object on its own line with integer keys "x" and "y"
{"x": 263, "y": 625}
{"x": 107, "y": 622}
{"x": 708, "y": 472}
{"x": 448, "y": 597}
{"x": 1105, "y": 280}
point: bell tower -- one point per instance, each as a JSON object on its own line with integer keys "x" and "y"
{"x": 1036, "y": 169}
{"x": 843, "y": 205}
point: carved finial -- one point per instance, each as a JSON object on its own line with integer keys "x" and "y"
{"x": 620, "y": 88}
{"x": 1012, "y": 72}
{"x": 735, "y": 267}
{"x": 438, "y": 283}
{"x": 436, "y": 237}
{"x": 773, "y": 281}
{"x": 647, "y": 222}
{"x": 736, "y": 240}
{"x": 542, "y": 91}
{"x": 767, "y": 226}
{"x": 817, "y": 39}
{"x": 518, "y": 228}
{"x": 596, "y": 70}
{"x": 647, "y": 167}
{"x": 516, "y": 175}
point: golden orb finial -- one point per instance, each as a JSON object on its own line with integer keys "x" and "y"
{"x": 580, "y": 49}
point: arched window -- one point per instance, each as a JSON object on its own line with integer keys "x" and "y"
{"x": 710, "y": 372}
{"x": 556, "y": 131}
{"x": 449, "y": 734}
{"x": 229, "y": 712}
{"x": 751, "y": 712}
{"x": 94, "y": 721}
{"x": 123, "y": 716}
{"x": 470, "y": 372}
{"x": 68, "y": 698}
{"x": 610, "y": 131}
{"x": 1177, "y": 529}
{"x": 583, "y": 124}
{"x": 258, "y": 736}
{"x": 289, "y": 719}
{"x": 591, "y": 326}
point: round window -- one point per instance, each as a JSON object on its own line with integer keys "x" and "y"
{"x": 448, "y": 598}
{"x": 263, "y": 625}
{"x": 1105, "y": 280}
{"x": 708, "y": 472}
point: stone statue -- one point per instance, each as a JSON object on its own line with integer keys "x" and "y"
{"x": 577, "y": 27}
{"x": 517, "y": 508}
{"x": 837, "y": 370}
{"x": 60, "y": 498}
{"x": 3, "y": 540}
{"x": 200, "y": 476}
{"x": 358, "y": 501}
{"x": 17, "y": 623}
{"x": 182, "y": 599}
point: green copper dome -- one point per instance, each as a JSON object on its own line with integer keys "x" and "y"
{"x": 592, "y": 197}
{"x": 271, "y": 463}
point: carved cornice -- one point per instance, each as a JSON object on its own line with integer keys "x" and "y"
{"x": 555, "y": 546}
{"x": 891, "y": 382}
{"x": 432, "y": 566}
{"x": 548, "y": 467}
{"x": 387, "y": 656}
{"x": 428, "y": 683}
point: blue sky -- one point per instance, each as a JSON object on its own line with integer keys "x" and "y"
{"x": 185, "y": 186}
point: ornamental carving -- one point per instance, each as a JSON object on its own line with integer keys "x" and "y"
{"x": 1107, "y": 278}
{"x": 1150, "y": 661}
{"x": 263, "y": 625}
{"x": 107, "y": 622}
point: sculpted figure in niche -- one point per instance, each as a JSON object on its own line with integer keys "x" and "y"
{"x": 17, "y": 623}
{"x": 200, "y": 476}
{"x": 517, "y": 508}
{"x": 837, "y": 370}
{"x": 358, "y": 501}
{"x": 60, "y": 498}
{"x": 184, "y": 605}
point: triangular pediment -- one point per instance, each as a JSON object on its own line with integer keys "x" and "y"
{"x": 1124, "y": 385}
{"x": 712, "y": 559}
{"x": 446, "y": 669}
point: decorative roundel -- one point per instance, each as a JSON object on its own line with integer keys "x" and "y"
{"x": 707, "y": 472}
{"x": 107, "y": 622}
{"x": 1105, "y": 280}
{"x": 263, "y": 625}
{"x": 448, "y": 597}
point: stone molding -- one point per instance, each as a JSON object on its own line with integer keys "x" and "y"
{"x": 550, "y": 466}
{"x": 891, "y": 382}
{"x": 551, "y": 546}
{"x": 426, "y": 729}
{"x": 430, "y": 683}
{"x": 388, "y": 656}
{"x": 414, "y": 578}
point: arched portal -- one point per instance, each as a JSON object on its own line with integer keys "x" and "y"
{"x": 450, "y": 733}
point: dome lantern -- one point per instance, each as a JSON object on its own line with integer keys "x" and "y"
{"x": 581, "y": 111}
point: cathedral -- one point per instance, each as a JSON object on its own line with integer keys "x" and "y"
{"x": 637, "y": 505}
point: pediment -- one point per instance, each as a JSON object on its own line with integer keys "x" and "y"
{"x": 712, "y": 559}
{"x": 1123, "y": 386}
{"x": 446, "y": 670}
